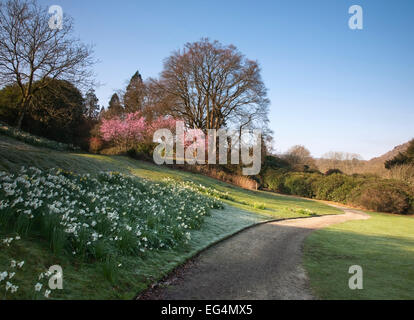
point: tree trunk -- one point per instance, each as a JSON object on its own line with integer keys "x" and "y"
{"x": 22, "y": 114}
{"x": 20, "y": 119}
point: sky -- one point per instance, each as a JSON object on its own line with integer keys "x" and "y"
{"x": 331, "y": 88}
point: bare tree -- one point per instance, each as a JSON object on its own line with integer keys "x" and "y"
{"x": 31, "y": 51}
{"x": 348, "y": 163}
{"x": 299, "y": 157}
{"x": 211, "y": 86}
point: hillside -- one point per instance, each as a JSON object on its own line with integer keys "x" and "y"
{"x": 40, "y": 249}
{"x": 376, "y": 165}
{"x": 372, "y": 166}
{"x": 388, "y": 155}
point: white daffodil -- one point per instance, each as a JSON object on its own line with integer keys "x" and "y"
{"x": 114, "y": 202}
{"x": 8, "y": 285}
{"x": 3, "y": 275}
{"x": 38, "y": 287}
{"x": 47, "y": 293}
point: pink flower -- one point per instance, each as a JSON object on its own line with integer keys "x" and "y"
{"x": 133, "y": 128}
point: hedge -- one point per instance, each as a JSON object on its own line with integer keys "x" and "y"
{"x": 368, "y": 192}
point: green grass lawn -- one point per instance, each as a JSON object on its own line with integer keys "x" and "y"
{"x": 383, "y": 246}
{"x": 103, "y": 280}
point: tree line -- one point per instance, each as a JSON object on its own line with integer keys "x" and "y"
{"x": 47, "y": 82}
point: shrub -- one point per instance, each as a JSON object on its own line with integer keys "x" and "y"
{"x": 332, "y": 171}
{"x": 385, "y": 196}
{"x": 297, "y": 184}
{"x": 143, "y": 151}
{"x": 335, "y": 187}
{"x": 244, "y": 182}
{"x": 95, "y": 144}
{"x": 367, "y": 191}
{"x": 275, "y": 180}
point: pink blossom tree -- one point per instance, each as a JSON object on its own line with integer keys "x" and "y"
{"x": 133, "y": 129}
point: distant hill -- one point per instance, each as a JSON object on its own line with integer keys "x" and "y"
{"x": 374, "y": 165}
{"x": 389, "y": 155}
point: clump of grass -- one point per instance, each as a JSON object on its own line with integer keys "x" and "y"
{"x": 259, "y": 205}
{"x": 109, "y": 269}
{"x": 302, "y": 211}
{"x": 256, "y": 205}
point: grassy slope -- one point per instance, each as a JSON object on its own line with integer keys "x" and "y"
{"x": 383, "y": 246}
{"x": 89, "y": 281}
{"x": 14, "y": 154}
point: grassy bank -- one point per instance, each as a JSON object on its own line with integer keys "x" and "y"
{"x": 123, "y": 278}
{"x": 14, "y": 154}
{"x": 383, "y": 246}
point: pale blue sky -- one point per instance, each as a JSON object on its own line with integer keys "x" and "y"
{"x": 331, "y": 88}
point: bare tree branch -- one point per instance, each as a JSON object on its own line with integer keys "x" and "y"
{"x": 212, "y": 86}
{"x": 30, "y": 51}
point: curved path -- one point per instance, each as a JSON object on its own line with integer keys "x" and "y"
{"x": 263, "y": 263}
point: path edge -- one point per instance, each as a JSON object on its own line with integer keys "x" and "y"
{"x": 158, "y": 283}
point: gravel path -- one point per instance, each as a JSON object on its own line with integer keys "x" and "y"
{"x": 262, "y": 263}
